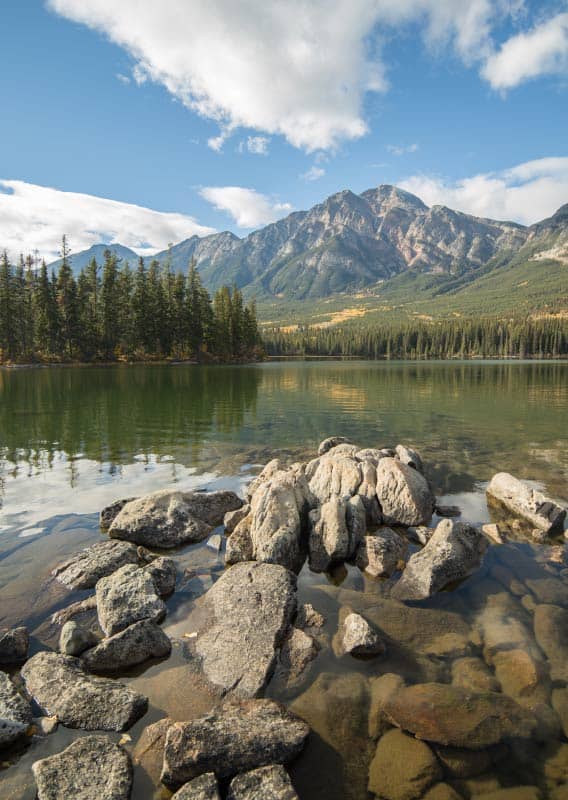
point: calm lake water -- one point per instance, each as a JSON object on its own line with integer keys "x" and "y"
{"x": 73, "y": 440}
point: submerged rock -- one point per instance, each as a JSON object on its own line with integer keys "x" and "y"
{"x": 237, "y": 737}
{"x": 129, "y": 647}
{"x": 15, "y": 713}
{"x": 264, "y": 783}
{"x": 454, "y": 552}
{"x": 91, "y": 767}
{"x": 74, "y": 639}
{"x": 203, "y": 788}
{"x": 61, "y": 687}
{"x": 474, "y": 675}
{"x": 530, "y": 504}
{"x": 251, "y": 609}
{"x": 382, "y": 689}
{"x": 125, "y": 597}
{"x": 308, "y": 617}
{"x": 380, "y": 554}
{"x": 83, "y": 570}
{"x": 357, "y": 638}
{"x": 167, "y": 518}
{"x": 551, "y": 632}
{"x": 403, "y": 493}
{"x": 14, "y": 645}
{"x": 297, "y": 652}
{"x": 448, "y": 715}
{"x": 402, "y": 768}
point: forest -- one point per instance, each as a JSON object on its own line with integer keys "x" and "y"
{"x": 113, "y": 313}
{"x": 540, "y": 336}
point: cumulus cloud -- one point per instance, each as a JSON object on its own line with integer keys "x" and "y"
{"x": 248, "y": 208}
{"x": 290, "y": 68}
{"x": 540, "y": 51}
{"x": 401, "y": 149}
{"x": 526, "y": 193}
{"x": 313, "y": 174}
{"x": 35, "y": 218}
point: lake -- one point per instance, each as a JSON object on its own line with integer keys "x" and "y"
{"x": 72, "y": 440}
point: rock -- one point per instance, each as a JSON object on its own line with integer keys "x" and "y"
{"x": 237, "y": 737}
{"x": 91, "y": 767}
{"x": 15, "y": 713}
{"x": 420, "y": 534}
{"x": 550, "y": 591}
{"x": 403, "y": 768}
{"x": 163, "y": 573}
{"x": 551, "y": 633}
{"x": 460, "y": 763}
{"x": 129, "y": 647}
{"x": 203, "y": 788}
{"x": 382, "y": 689}
{"x": 357, "y": 638}
{"x": 403, "y": 493}
{"x": 14, "y": 645}
{"x": 108, "y": 514}
{"x": 367, "y": 491}
{"x": 448, "y": 715}
{"x": 61, "y": 687}
{"x": 473, "y": 675}
{"x": 298, "y": 650}
{"x": 239, "y": 544}
{"x": 454, "y": 552}
{"x": 265, "y": 475}
{"x": 442, "y": 791}
{"x": 46, "y": 725}
{"x": 308, "y": 617}
{"x": 406, "y": 455}
{"x": 530, "y": 504}
{"x": 264, "y": 783}
{"x": 73, "y": 610}
{"x": 447, "y": 511}
{"x": 148, "y": 752}
{"x": 560, "y": 705}
{"x": 336, "y": 476}
{"x": 125, "y": 597}
{"x": 515, "y": 793}
{"x": 380, "y": 553}
{"x": 495, "y": 533}
{"x": 251, "y": 608}
{"x": 336, "y": 529}
{"x": 330, "y": 442}
{"x": 214, "y": 542}
{"x": 374, "y": 454}
{"x": 169, "y": 518}
{"x": 82, "y": 571}
{"x": 520, "y": 675}
{"x": 74, "y": 639}
{"x": 503, "y": 628}
{"x": 232, "y": 518}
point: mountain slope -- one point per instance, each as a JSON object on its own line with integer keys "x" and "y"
{"x": 81, "y": 259}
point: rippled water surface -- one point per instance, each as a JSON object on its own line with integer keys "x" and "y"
{"x": 74, "y": 439}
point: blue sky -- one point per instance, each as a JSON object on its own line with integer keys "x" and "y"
{"x": 463, "y": 103}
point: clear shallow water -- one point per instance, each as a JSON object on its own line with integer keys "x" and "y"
{"x": 72, "y": 440}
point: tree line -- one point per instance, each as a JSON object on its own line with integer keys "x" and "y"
{"x": 111, "y": 312}
{"x": 526, "y": 337}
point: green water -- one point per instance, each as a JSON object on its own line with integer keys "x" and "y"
{"x": 74, "y": 439}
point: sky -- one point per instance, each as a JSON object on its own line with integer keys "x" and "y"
{"x": 145, "y": 122}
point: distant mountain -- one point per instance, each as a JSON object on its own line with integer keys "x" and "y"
{"x": 83, "y": 257}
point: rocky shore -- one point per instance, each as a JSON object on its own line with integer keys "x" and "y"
{"x": 436, "y": 692}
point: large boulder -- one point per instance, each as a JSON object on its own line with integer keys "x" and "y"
{"x": 248, "y": 614}
{"x": 403, "y": 493}
{"x": 203, "y": 788}
{"x": 14, "y": 645}
{"x": 61, "y": 687}
{"x": 454, "y": 552}
{"x": 402, "y": 768}
{"x": 125, "y": 597}
{"x": 84, "y": 569}
{"x": 91, "y": 767}
{"x": 129, "y": 647}
{"x": 237, "y": 737}
{"x": 336, "y": 529}
{"x": 264, "y": 783}
{"x": 167, "y": 518}
{"x": 380, "y": 553}
{"x": 335, "y": 474}
{"x": 108, "y": 513}
{"x": 448, "y": 715}
{"x": 15, "y": 713}
{"x": 523, "y": 501}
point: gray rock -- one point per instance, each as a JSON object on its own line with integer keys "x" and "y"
{"x": 358, "y": 638}
{"x": 331, "y": 442}
{"x": 83, "y": 570}
{"x": 203, "y": 788}
{"x": 61, "y": 687}
{"x": 232, "y": 518}
{"x": 129, "y": 647}
{"x": 214, "y": 542}
{"x": 92, "y": 767}
{"x": 237, "y": 737}
{"x": 336, "y": 475}
{"x": 308, "y": 617}
{"x": 373, "y": 454}
{"x": 336, "y": 529}
{"x": 420, "y": 534}
{"x": 448, "y": 511}
{"x": 14, "y": 645}
{"x": 368, "y": 491}
{"x": 298, "y": 650}
{"x": 264, "y": 783}
{"x": 169, "y": 518}
{"x": 530, "y": 504}
{"x": 380, "y": 553}
{"x": 250, "y": 609}
{"x": 163, "y": 572}
{"x": 239, "y": 544}
{"x": 264, "y": 475}
{"x": 403, "y": 493}
{"x": 454, "y": 552}
{"x": 15, "y": 713}
{"x": 46, "y": 725}
{"x": 406, "y": 455}
{"x": 107, "y": 515}
{"x": 125, "y": 597}
{"x": 74, "y": 639}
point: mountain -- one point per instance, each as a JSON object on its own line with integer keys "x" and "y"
{"x": 80, "y": 260}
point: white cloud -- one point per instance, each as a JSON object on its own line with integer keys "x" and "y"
{"x": 299, "y": 68}
{"x": 249, "y": 208}
{"x": 401, "y": 150}
{"x": 313, "y": 174}
{"x": 525, "y": 193}
{"x": 258, "y": 145}
{"x": 540, "y": 51}
{"x": 123, "y": 78}
{"x": 35, "y": 218}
